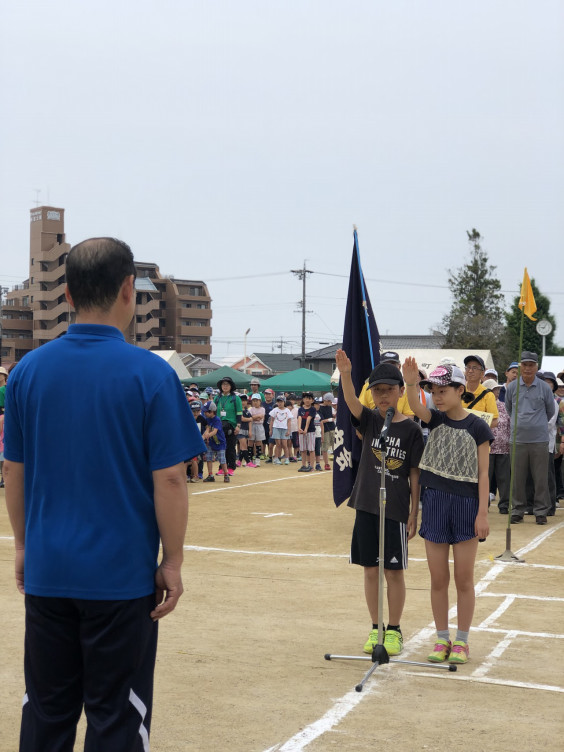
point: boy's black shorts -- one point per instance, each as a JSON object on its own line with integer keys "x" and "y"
{"x": 365, "y": 542}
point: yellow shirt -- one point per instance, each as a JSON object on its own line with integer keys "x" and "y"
{"x": 487, "y": 403}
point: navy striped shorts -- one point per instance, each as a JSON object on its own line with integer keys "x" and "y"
{"x": 447, "y": 518}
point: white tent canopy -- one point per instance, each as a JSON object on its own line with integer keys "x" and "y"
{"x": 430, "y": 358}
{"x": 554, "y": 363}
{"x": 174, "y": 360}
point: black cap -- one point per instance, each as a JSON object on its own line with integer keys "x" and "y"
{"x": 385, "y": 357}
{"x": 477, "y": 358}
{"x": 527, "y": 355}
{"x": 385, "y": 373}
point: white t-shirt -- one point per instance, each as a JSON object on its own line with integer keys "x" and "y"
{"x": 281, "y": 417}
{"x": 294, "y": 421}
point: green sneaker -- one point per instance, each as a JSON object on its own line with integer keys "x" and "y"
{"x": 371, "y": 642}
{"x": 460, "y": 652}
{"x": 441, "y": 651}
{"x": 393, "y": 642}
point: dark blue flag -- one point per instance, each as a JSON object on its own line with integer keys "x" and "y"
{"x": 361, "y": 342}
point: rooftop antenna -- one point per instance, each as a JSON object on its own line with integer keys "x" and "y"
{"x": 37, "y": 192}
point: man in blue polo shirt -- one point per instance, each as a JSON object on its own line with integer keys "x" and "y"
{"x": 97, "y": 433}
{"x": 529, "y": 418}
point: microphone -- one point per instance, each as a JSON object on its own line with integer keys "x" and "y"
{"x": 390, "y": 412}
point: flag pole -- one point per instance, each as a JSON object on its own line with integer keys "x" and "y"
{"x": 357, "y": 250}
{"x": 508, "y": 555}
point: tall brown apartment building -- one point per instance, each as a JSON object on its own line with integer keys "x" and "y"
{"x": 171, "y": 314}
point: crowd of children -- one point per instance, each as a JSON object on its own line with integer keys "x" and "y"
{"x": 280, "y": 430}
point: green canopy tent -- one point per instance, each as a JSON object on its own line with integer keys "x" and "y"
{"x": 300, "y": 380}
{"x": 241, "y": 380}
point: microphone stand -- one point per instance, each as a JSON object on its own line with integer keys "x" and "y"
{"x": 380, "y": 655}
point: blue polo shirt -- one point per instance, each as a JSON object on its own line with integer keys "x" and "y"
{"x": 536, "y": 408}
{"x": 91, "y": 417}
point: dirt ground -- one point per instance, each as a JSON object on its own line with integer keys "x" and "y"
{"x": 269, "y": 591}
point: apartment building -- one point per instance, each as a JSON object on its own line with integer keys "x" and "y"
{"x": 170, "y": 314}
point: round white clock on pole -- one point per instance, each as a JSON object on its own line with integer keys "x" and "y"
{"x": 544, "y": 327}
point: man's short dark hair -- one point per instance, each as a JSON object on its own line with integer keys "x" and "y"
{"x": 95, "y": 271}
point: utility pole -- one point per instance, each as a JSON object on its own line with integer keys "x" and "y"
{"x": 302, "y": 274}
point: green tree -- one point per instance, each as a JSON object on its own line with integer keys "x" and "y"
{"x": 532, "y": 341}
{"x": 475, "y": 321}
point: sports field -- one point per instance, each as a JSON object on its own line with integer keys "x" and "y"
{"x": 269, "y": 591}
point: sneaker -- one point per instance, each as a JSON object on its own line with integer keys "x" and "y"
{"x": 257, "y": 462}
{"x": 441, "y": 651}
{"x": 226, "y": 478}
{"x": 371, "y": 642}
{"x": 460, "y": 652}
{"x": 293, "y": 459}
{"x": 238, "y": 463}
{"x": 303, "y": 469}
{"x": 515, "y": 519}
{"x": 268, "y": 459}
{"x": 219, "y": 472}
{"x": 230, "y": 471}
{"x": 327, "y": 467}
{"x": 541, "y": 519}
{"x": 251, "y": 464}
{"x": 318, "y": 466}
{"x": 286, "y": 461}
{"x": 308, "y": 469}
{"x": 194, "y": 480}
{"x": 200, "y": 476}
{"x": 393, "y": 642}
{"x": 276, "y": 461}
{"x": 209, "y": 479}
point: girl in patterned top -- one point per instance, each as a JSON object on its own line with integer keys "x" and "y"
{"x": 454, "y": 473}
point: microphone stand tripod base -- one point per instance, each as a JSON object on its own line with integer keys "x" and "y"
{"x": 509, "y": 556}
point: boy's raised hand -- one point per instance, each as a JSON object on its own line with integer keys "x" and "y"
{"x": 343, "y": 362}
{"x": 410, "y": 371}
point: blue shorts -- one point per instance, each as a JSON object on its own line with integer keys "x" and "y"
{"x": 280, "y": 433}
{"x": 447, "y": 518}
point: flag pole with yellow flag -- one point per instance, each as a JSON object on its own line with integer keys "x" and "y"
{"x": 528, "y": 308}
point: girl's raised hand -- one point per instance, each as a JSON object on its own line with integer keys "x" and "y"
{"x": 410, "y": 371}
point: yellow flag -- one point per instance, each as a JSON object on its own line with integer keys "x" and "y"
{"x": 527, "y": 299}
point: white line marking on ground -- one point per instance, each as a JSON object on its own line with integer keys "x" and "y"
{"x": 497, "y": 652}
{"x": 273, "y": 514}
{"x": 524, "y": 597}
{"x": 257, "y": 483}
{"x": 539, "y": 539}
{"x": 265, "y": 553}
{"x": 348, "y": 702}
{"x": 520, "y": 632}
{"x": 488, "y": 680}
{"x": 501, "y": 609}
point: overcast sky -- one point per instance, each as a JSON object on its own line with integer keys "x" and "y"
{"x": 231, "y": 141}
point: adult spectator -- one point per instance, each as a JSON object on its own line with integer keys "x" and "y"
{"x": 500, "y": 457}
{"x": 255, "y": 389}
{"x": 559, "y": 449}
{"x": 510, "y": 375}
{"x": 229, "y": 411}
{"x": 477, "y": 397}
{"x": 97, "y": 432}
{"x": 490, "y": 373}
{"x": 529, "y": 424}
{"x": 553, "y": 445}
